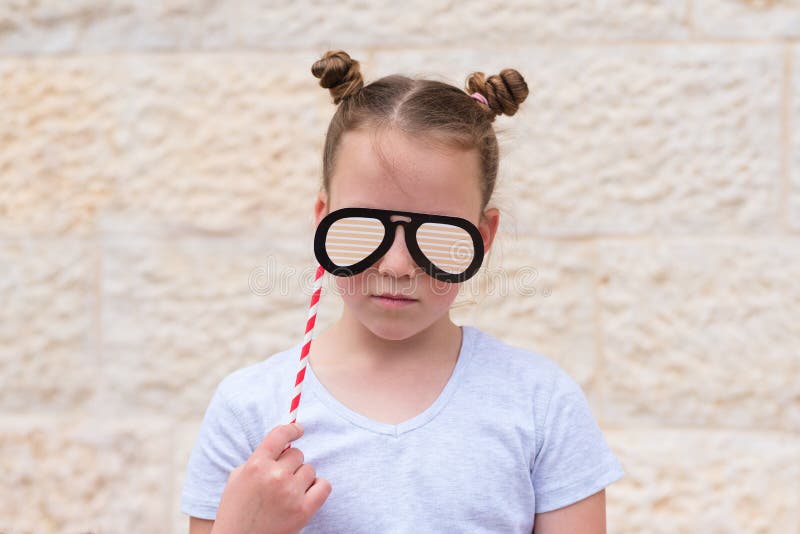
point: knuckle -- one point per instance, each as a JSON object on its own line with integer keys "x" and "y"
{"x": 277, "y": 475}
{"x": 255, "y": 462}
{"x": 251, "y": 467}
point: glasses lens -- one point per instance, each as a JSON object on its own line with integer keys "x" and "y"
{"x": 448, "y": 247}
{"x": 352, "y": 239}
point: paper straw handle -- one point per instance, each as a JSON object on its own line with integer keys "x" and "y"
{"x": 301, "y": 373}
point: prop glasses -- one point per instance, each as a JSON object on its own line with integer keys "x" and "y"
{"x": 350, "y": 240}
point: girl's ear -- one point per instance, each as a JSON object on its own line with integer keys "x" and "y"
{"x": 488, "y": 226}
{"x": 320, "y": 207}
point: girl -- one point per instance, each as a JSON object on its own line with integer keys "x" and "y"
{"x": 416, "y": 423}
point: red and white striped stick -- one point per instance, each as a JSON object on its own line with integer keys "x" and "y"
{"x": 301, "y": 373}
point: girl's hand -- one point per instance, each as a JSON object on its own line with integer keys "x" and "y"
{"x": 273, "y": 492}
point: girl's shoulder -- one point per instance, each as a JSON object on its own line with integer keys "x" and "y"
{"x": 256, "y": 372}
{"x": 511, "y": 354}
{"x": 262, "y": 385}
{"x": 510, "y": 359}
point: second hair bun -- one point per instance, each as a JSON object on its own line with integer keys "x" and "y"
{"x": 504, "y": 91}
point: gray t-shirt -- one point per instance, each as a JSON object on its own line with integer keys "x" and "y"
{"x": 510, "y": 435}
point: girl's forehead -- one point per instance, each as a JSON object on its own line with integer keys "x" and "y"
{"x": 403, "y": 156}
{"x": 404, "y": 175}
{"x": 396, "y": 195}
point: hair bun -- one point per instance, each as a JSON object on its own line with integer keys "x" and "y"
{"x": 338, "y": 72}
{"x": 504, "y": 91}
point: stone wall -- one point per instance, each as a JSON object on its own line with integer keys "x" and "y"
{"x": 158, "y": 158}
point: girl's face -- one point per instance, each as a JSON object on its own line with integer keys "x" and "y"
{"x": 396, "y": 172}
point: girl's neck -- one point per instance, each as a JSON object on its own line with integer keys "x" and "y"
{"x": 350, "y": 343}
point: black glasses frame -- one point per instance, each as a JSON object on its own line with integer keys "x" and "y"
{"x": 390, "y": 229}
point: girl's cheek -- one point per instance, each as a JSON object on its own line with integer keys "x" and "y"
{"x": 351, "y": 287}
{"x": 440, "y": 291}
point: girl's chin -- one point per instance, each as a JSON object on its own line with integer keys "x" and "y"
{"x": 391, "y": 329}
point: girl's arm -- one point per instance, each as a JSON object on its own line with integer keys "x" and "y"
{"x": 200, "y": 526}
{"x": 587, "y": 516}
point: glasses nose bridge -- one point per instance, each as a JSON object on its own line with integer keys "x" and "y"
{"x": 392, "y": 237}
{"x": 393, "y": 228}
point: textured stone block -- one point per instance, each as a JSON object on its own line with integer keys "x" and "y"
{"x": 712, "y": 481}
{"x": 123, "y": 25}
{"x": 793, "y": 200}
{"x": 220, "y": 143}
{"x": 59, "y": 143}
{"x": 127, "y": 25}
{"x": 630, "y": 140}
{"x": 73, "y": 473}
{"x": 464, "y": 24}
{"x": 747, "y": 19}
{"x": 701, "y": 333}
{"x": 48, "y": 334}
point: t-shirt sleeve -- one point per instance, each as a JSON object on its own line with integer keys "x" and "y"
{"x": 221, "y": 446}
{"x": 574, "y": 460}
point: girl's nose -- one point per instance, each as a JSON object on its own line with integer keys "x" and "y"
{"x": 397, "y": 261}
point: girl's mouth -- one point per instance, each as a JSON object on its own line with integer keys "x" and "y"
{"x": 389, "y": 301}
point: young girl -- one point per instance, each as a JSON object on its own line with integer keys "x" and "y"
{"x": 415, "y": 423}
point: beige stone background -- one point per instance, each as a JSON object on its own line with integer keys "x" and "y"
{"x": 158, "y": 162}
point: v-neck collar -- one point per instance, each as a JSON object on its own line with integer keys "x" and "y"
{"x": 465, "y": 353}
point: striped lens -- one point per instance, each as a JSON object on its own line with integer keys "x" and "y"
{"x": 352, "y": 239}
{"x": 448, "y": 247}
